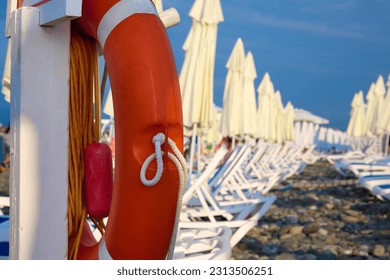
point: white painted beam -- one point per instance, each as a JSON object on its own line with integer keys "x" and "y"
{"x": 11, "y": 6}
{"x": 39, "y": 138}
{"x": 55, "y": 12}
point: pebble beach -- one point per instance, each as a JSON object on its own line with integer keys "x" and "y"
{"x": 318, "y": 215}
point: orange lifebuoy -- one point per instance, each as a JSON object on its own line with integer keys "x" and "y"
{"x": 146, "y": 99}
{"x": 147, "y": 102}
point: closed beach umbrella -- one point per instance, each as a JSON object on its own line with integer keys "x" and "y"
{"x": 358, "y": 127}
{"x": 159, "y": 5}
{"x": 108, "y": 107}
{"x": 272, "y": 118}
{"x": 370, "y": 121}
{"x": 232, "y": 97}
{"x": 280, "y": 118}
{"x": 380, "y": 91}
{"x": 352, "y": 117}
{"x": 197, "y": 73}
{"x": 266, "y": 91}
{"x": 249, "y": 97}
{"x": 212, "y": 135}
{"x": 384, "y": 117}
{"x": 289, "y": 125}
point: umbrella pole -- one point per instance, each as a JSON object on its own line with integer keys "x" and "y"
{"x": 192, "y": 152}
{"x": 198, "y": 159}
{"x": 233, "y": 142}
{"x": 387, "y": 144}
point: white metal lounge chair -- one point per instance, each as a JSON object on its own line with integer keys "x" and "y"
{"x": 203, "y": 208}
{"x": 4, "y": 237}
{"x": 4, "y": 202}
{"x": 204, "y": 243}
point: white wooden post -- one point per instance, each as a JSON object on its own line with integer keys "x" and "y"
{"x": 39, "y": 129}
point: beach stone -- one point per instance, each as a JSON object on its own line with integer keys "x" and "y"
{"x": 347, "y": 252}
{"x": 379, "y": 251}
{"x": 353, "y": 213}
{"x": 313, "y": 208}
{"x": 285, "y": 236}
{"x": 349, "y": 219}
{"x": 285, "y": 256}
{"x": 263, "y": 239}
{"x": 308, "y": 257}
{"x": 323, "y": 231}
{"x": 296, "y": 230}
{"x": 264, "y": 258}
{"x": 312, "y": 196}
{"x": 311, "y": 228}
{"x": 329, "y": 206}
{"x": 327, "y": 255}
{"x": 274, "y": 228}
{"x": 270, "y": 249}
{"x": 292, "y": 219}
{"x": 331, "y": 248}
{"x": 285, "y": 229}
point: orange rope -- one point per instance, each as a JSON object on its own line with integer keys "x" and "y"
{"x": 84, "y": 128}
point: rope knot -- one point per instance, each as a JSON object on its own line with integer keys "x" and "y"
{"x": 159, "y": 138}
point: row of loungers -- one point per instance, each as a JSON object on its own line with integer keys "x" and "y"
{"x": 223, "y": 201}
{"x": 373, "y": 173}
{"x": 231, "y": 194}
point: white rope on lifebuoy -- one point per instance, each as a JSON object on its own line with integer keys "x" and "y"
{"x": 158, "y": 140}
{"x": 181, "y": 165}
{"x": 177, "y": 158}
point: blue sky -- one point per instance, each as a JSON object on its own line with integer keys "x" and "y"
{"x": 318, "y": 53}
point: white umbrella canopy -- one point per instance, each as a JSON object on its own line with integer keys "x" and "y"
{"x": 279, "y": 118}
{"x": 359, "y": 116}
{"x": 266, "y": 91}
{"x": 197, "y": 73}
{"x": 384, "y": 115}
{"x": 304, "y": 115}
{"x": 352, "y": 118}
{"x": 380, "y": 91}
{"x": 249, "y": 97}
{"x": 272, "y": 118}
{"x": 159, "y": 5}
{"x": 108, "y": 107}
{"x": 370, "y": 121}
{"x": 232, "y": 97}
{"x": 289, "y": 122}
{"x": 212, "y": 135}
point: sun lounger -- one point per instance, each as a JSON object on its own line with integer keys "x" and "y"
{"x": 203, "y": 244}
{"x": 207, "y": 205}
{"x": 4, "y": 202}
{"x": 4, "y": 237}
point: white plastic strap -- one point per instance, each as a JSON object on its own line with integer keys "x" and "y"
{"x": 119, "y": 12}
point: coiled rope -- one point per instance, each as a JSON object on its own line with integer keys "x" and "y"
{"x": 84, "y": 128}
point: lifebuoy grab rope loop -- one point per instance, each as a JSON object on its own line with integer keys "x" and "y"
{"x": 177, "y": 158}
{"x": 181, "y": 165}
{"x": 158, "y": 140}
